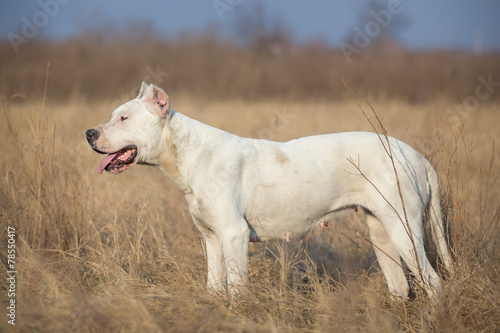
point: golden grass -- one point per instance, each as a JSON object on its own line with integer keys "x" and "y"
{"x": 101, "y": 253}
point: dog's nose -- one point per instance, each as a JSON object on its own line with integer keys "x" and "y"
{"x": 92, "y": 135}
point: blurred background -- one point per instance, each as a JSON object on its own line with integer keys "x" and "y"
{"x": 415, "y": 51}
{"x": 105, "y": 253}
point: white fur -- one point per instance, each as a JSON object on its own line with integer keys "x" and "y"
{"x": 241, "y": 189}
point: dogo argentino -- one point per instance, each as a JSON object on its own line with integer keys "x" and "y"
{"x": 241, "y": 190}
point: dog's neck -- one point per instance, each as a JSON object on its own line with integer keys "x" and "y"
{"x": 188, "y": 142}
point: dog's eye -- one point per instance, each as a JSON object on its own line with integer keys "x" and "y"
{"x": 122, "y": 118}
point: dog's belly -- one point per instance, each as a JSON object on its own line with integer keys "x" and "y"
{"x": 278, "y": 221}
{"x": 277, "y": 229}
{"x": 290, "y": 211}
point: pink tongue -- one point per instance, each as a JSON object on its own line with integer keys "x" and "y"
{"x": 105, "y": 161}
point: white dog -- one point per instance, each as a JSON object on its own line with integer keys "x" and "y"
{"x": 241, "y": 190}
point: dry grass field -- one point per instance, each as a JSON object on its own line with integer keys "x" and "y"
{"x": 119, "y": 253}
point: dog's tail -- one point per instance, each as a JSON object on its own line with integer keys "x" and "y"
{"x": 435, "y": 219}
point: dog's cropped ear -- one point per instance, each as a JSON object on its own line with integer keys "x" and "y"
{"x": 142, "y": 91}
{"x": 158, "y": 98}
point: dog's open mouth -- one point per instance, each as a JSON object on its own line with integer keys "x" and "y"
{"x": 119, "y": 161}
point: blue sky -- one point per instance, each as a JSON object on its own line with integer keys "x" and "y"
{"x": 445, "y": 24}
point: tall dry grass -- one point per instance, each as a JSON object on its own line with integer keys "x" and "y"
{"x": 105, "y": 253}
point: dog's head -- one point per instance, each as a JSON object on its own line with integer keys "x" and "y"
{"x": 134, "y": 133}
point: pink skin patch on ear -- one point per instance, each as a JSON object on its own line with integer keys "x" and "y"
{"x": 161, "y": 98}
{"x": 162, "y": 101}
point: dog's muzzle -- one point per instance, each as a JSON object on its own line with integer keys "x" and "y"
{"x": 115, "y": 162}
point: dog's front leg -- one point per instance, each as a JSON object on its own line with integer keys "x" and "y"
{"x": 216, "y": 278}
{"x": 234, "y": 243}
{"x": 215, "y": 259}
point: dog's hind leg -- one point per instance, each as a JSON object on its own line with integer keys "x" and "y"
{"x": 388, "y": 257}
{"x": 412, "y": 249}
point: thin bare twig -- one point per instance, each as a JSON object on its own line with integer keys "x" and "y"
{"x": 387, "y": 148}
